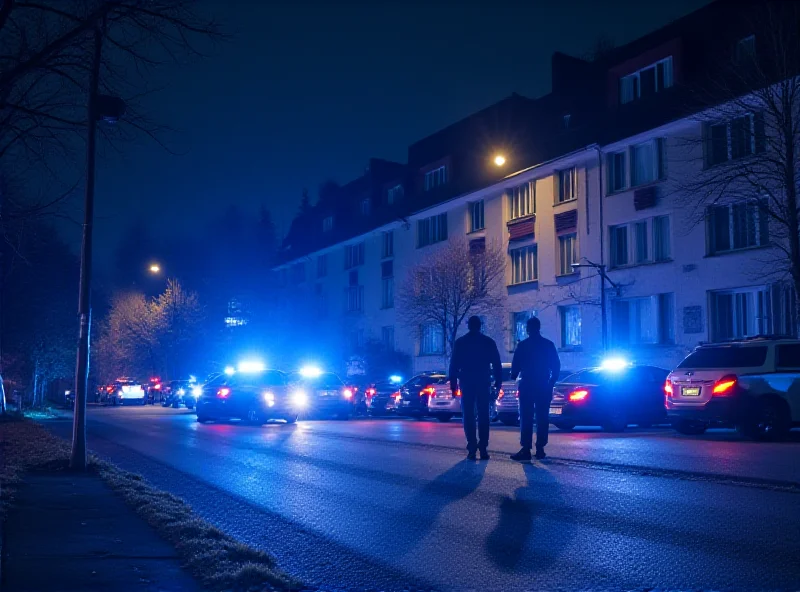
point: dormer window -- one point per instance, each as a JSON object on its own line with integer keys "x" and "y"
{"x": 394, "y": 194}
{"x": 646, "y": 82}
{"x": 435, "y": 178}
{"x": 327, "y": 224}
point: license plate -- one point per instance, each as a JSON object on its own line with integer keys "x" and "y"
{"x": 443, "y": 397}
{"x": 690, "y": 391}
{"x": 443, "y": 403}
{"x": 555, "y": 410}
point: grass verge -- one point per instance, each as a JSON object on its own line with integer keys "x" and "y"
{"x": 217, "y": 560}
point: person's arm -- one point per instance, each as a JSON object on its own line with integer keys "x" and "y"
{"x": 555, "y": 365}
{"x": 497, "y": 367}
{"x": 454, "y": 368}
{"x": 516, "y": 361}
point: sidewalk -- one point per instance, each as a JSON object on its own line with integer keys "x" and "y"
{"x": 69, "y": 532}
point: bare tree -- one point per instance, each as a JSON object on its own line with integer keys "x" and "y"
{"x": 179, "y": 316}
{"x": 450, "y": 284}
{"x": 46, "y": 49}
{"x": 749, "y": 111}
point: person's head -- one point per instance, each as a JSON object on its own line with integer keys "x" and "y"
{"x": 474, "y": 324}
{"x": 534, "y": 326}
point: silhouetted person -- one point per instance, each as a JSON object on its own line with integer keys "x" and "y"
{"x": 536, "y": 362}
{"x": 475, "y": 360}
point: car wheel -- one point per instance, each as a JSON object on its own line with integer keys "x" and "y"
{"x": 689, "y": 428}
{"x": 202, "y": 419}
{"x": 564, "y": 427}
{"x": 615, "y": 422}
{"x": 291, "y": 419}
{"x": 444, "y": 417}
{"x": 770, "y": 421}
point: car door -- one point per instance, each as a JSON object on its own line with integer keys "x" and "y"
{"x": 787, "y": 367}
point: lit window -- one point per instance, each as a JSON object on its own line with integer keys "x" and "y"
{"x": 435, "y": 178}
{"x": 524, "y": 265}
{"x": 645, "y": 82}
{"x": 522, "y": 200}
{"x": 570, "y": 326}
{"x": 567, "y": 253}
{"x": 567, "y": 184}
{"x": 519, "y": 327}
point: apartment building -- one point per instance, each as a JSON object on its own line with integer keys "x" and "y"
{"x": 593, "y": 178}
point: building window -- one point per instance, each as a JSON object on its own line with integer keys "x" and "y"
{"x": 570, "y": 326}
{"x": 354, "y": 298}
{"x": 524, "y": 265}
{"x": 353, "y": 255}
{"x": 431, "y": 340}
{"x": 387, "y": 337}
{"x": 745, "y": 51}
{"x": 647, "y": 162}
{"x": 394, "y": 194}
{"x": 644, "y": 241}
{"x": 567, "y": 184}
{"x": 519, "y": 327}
{"x": 736, "y": 226}
{"x": 431, "y": 230}
{"x": 736, "y": 314}
{"x": 646, "y": 82}
{"x": 327, "y": 224}
{"x": 522, "y": 200}
{"x": 566, "y": 119}
{"x": 642, "y": 321}
{"x": 476, "y": 216}
{"x": 322, "y": 266}
{"x": 387, "y": 284}
{"x": 435, "y": 178}
{"x": 567, "y": 253}
{"x": 737, "y": 138}
{"x": 366, "y": 206}
{"x": 298, "y": 273}
{"x": 387, "y": 244}
{"x": 617, "y": 171}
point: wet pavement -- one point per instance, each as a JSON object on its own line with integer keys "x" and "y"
{"x": 393, "y": 504}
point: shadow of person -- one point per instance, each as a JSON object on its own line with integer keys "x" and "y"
{"x": 520, "y": 526}
{"x": 424, "y": 508}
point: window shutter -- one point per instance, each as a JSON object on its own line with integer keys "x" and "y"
{"x": 759, "y": 132}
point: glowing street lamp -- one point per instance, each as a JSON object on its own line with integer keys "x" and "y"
{"x": 499, "y": 160}
{"x": 155, "y": 268}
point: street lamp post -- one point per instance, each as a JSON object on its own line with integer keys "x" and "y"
{"x": 601, "y": 271}
{"x": 110, "y": 109}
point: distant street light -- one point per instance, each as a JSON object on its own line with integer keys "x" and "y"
{"x": 499, "y": 160}
{"x": 155, "y": 268}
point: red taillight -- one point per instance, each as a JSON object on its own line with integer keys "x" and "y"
{"x": 371, "y": 392}
{"x": 223, "y": 393}
{"x": 500, "y": 394}
{"x": 724, "y": 386}
{"x": 668, "y": 388}
{"x": 348, "y": 393}
{"x": 457, "y": 393}
{"x": 578, "y": 395}
{"x": 427, "y": 391}
{"x": 397, "y": 396}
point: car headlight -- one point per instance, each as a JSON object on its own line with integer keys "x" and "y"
{"x": 181, "y": 391}
{"x": 269, "y": 398}
{"x": 197, "y": 391}
{"x": 299, "y": 398}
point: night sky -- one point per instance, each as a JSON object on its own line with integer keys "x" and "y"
{"x": 308, "y": 91}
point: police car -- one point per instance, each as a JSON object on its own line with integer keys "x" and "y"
{"x": 752, "y": 384}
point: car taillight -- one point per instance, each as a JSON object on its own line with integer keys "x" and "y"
{"x": 500, "y": 394}
{"x": 427, "y": 391}
{"x": 668, "y": 389}
{"x": 371, "y": 392}
{"x": 397, "y": 396}
{"x": 348, "y": 393}
{"x": 457, "y": 393}
{"x": 578, "y": 395}
{"x": 223, "y": 393}
{"x": 724, "y": 386}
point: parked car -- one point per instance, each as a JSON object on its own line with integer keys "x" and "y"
{"x": 507, "y": 406}
{"x": 327, "y": 394}
{"x": 255, "y": 397}
{"x": 753, "y": 384}
{"x": 417, "y": 392}
{"x": 177, "y": 393}
{"x": 126, "y": 391}
{"x": 611, "y": 396}
{"x": 381, "y": 397}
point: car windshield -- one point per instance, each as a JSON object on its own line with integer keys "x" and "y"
{"x": 730, "y": 356}
{"x": 259, "y": 379}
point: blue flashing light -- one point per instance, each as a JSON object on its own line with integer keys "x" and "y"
{"x": 230, "y": 370}
{"x": 310, "y": 372}
{"x": 251, "y": 366}
{"x": 615, "y": 364}
{"x": 395, "y": 378}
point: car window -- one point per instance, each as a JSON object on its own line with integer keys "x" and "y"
{"x": 589, "y": 375}
{"x": 788, "y": 355}
{"x": 269, "y": 378}
{"x": 726, "y": 357}
{"x": 423, "y": 380}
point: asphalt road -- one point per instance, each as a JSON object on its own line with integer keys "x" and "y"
{"x": 394, "y": 505}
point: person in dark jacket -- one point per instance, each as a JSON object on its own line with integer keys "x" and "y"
{"x": 536, "y": 363}
{"x": 475, "y": 360}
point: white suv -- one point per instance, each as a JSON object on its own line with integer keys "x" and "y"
{"x": 753, "y": 384}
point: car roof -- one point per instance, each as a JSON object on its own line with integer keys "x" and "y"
{"x": 748, "y": 341}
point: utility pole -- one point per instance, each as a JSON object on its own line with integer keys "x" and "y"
{"x": 601, "y": 271}
{"x": 77, "y": 460}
